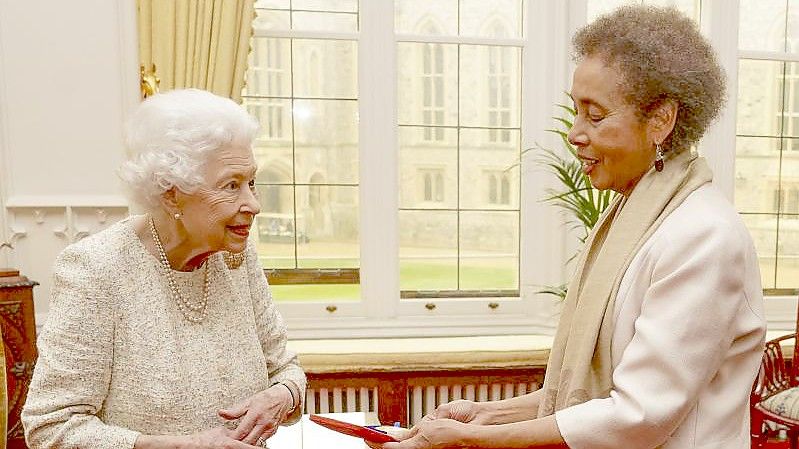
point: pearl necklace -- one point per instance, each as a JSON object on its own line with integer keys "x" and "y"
{"x": 192, "y": 312}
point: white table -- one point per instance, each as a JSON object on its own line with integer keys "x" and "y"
{"x": 306, "y": 434}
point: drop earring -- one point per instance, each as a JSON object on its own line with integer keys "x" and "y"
{"x": 658, "y": 157}
{"x": 177, "y": 215}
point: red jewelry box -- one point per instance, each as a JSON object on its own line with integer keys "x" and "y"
{"x": 353, "y": 430}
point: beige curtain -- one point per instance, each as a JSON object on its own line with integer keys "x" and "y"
{"x": 197, "y": 43}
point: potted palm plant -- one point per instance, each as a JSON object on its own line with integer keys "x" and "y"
{"x": 581, "y": 203}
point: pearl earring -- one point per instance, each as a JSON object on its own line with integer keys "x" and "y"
{"x": 177, "y": 215}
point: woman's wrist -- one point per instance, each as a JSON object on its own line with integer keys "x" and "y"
{"x": 294, "y": 399}
{"x": 489, "y": 412}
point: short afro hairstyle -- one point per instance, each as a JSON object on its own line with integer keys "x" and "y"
{"x": 660, "y": 55}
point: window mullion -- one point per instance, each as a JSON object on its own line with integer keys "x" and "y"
{"x": 720, "y": 24}
{"x": 545, "y": 76}
{"x": 378, "y": 159}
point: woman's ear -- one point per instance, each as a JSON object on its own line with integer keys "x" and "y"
{"x": 169, "y": 201}
{"x": 662, "y": 120}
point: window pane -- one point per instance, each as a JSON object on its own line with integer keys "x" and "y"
{"x": 757, "y": 168}
{"x": 271, "y": 19}
{"x": 489, "y": 253}
{"x": 489, "y": 80}
{"x": 274, "y": 117}
{"x": 269, "y": 72}
{"x": 763, "y": 229}
{"x": 326, "y": 5}
{"x": 484, "y": 163}
{"x": 439, "y": 17}
{"x": 304, "y": 93}
{"x": 788, "y": 251}
{"x": 759, "y": 97}
{"x": 327, "y": 231}
{"x": 762, "y": 25}
{"x": 473, "y": 14}
{"x": 420, "y": 156}
{"x": 599, "y": 7}
{"x": 789, "y": 178}
{"x": 324, "y": 21}
{"x": 428, "y": 250}
{"x": 460, "y": 168}
{"x": 792, "y": 28}
{"x": 275, "y": 226}
{"x": 325, "y": 68}
{"x": 326, "y": 140}
{"x": 688, "y": 7}
{"x": 790, "y": 113}
{"x": 427, "y": 84}
{"x": 283, "y": 4}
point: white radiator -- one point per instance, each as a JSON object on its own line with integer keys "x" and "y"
{"x": 423, "y": 400}
{"x": 337, "y": 400}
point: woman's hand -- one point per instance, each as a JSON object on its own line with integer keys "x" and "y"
{"x": 260, "y": 415}
{"x": 431, "y": 434}
{"x": 463, "y": 411}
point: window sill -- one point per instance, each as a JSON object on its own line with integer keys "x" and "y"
{"x": 428, "y": 354}
{"x": 422, "y": 354}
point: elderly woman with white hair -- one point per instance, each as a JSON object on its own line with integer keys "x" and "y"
{"x": 162, "y": 331}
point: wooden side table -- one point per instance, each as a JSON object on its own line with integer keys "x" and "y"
{"x": 17, "y": 321}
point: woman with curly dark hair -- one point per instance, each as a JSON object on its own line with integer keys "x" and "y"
{"x": 662, "y": 330}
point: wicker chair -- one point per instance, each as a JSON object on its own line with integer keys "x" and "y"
{"x": 775, "y": 394}
{"x": 775, "y": 380}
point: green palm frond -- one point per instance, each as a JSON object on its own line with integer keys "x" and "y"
{"x": 582, "y": 203}
{"x": 557, "y": 290}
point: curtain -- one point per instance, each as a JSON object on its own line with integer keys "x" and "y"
{"x": 197, "y": 43}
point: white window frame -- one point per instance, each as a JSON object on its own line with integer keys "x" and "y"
{"x": 546, "y": 75}
{"x": 380, "y": 310}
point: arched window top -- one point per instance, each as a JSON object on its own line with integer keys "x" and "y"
{"x": 317, "y": 178}
{"x": 276, "y": 172}
{"x": 495, "y": 27}
{"x": 428, "y": 26}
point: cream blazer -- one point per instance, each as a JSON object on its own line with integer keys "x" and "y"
{"x": 688, "y": 338}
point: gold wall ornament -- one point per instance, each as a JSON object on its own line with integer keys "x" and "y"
{"x": 148, "y": 81}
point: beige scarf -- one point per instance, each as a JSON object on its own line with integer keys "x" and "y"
{"x": 579, "y": 365}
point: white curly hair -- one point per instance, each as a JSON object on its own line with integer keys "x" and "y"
{"x": 170, "y": 137}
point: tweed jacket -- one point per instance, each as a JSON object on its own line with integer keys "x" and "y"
{"x": 117, "y": 358}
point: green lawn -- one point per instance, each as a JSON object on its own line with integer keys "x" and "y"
{"x": 476, "y": 274}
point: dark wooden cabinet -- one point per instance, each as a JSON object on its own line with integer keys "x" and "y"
{"x": 17, "y": 321}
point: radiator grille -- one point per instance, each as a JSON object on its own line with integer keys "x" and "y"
{"x": 424, "y": 399}
{"x": 338, "y": 400}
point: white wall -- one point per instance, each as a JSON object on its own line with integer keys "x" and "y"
{"x": 68, "y": 76}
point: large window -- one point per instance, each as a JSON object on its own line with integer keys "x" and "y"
{"x": 396, "y": 196}
{"x": 437, "y": 138}
{"x": 464, "y": 57}
{"x": 767, "y": 160}
{"x": 303, "y": 87}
